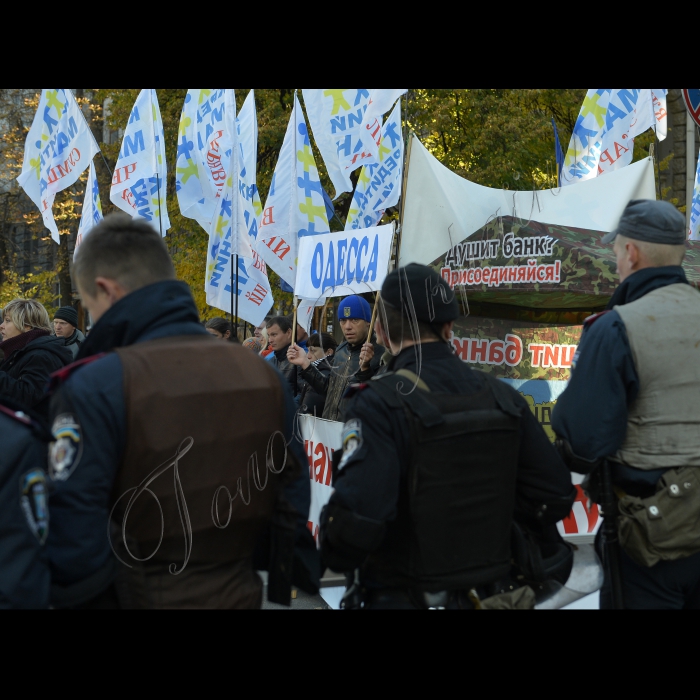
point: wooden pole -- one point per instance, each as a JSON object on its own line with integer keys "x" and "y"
{"x": 374, "y": 316}
{"x": 294, "y": 326}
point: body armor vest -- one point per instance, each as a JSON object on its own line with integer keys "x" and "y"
{"x": 201, "y": 418}
{"x": 663, "y": 428}
{"x": 456, "y": 506}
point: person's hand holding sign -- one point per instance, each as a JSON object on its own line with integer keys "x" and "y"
{"x": 298, "y": 357}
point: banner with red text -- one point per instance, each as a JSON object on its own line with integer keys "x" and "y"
{"x": 321, "y": 439}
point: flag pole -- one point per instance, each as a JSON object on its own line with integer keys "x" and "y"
{"x": 234, "y": 291}
{"x": 294, "y": 327}
{"x": 377, "y": 299}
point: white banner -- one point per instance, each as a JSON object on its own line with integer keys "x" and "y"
{"x": 247, "y": 123}
{"x": 341, "y": 264}
{"x": 92, "y": 209}
{"x": 379, "y": 185}
{"x": 610, "y": 120}
{"x": 58, "y": 150}
{"x": 139, "y": 186}
{"x": 442, "y": 209}
{"x": 321, "y": 440}
{"x": 295, "y": 206}
{"x": 202, "y": 155}
{"x": 229, "y": 236}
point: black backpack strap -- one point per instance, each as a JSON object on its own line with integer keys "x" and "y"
{"x": 403, "y": 390}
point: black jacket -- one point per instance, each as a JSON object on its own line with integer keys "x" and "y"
{"x": 24, "y": 378}
{"x": 24, "y": 518}
{"x": 289, "y": 371}
{"x": 345, "y": 371}
{"x": 373, "y": 477}
{"x": 312, "y": 402}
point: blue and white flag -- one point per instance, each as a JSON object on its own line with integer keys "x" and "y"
{"x": 347, "y": 126}
{"x": 295, "y": 206}
{"x": 695, "y": 208}
{"x": 610, "y": 120}
{"x": 202, "y": 155}
{"x": 92, "y": 209}
{"x": 139, "y": 186}
{"x": 58, "y": 150}
{"x": 379, "y": 186}
{"x": 247, "y": 125}
{"x": 229, "y": 236}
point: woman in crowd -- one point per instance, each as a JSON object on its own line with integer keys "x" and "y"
{"x": 30, "y": 354}
{"x": 322, "y": 347}
{"x": 221, "y": 329}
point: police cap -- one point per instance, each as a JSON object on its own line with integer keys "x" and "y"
{"x": 652, "y": 222}
{"x": 432, "y": 298}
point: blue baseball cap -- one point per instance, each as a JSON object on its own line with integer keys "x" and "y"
{"x": 355, "y": 307}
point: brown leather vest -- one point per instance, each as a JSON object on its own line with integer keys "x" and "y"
{"x": 201, "y": 415}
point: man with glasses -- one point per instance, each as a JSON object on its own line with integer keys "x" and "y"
{"x": 357, "y": 360}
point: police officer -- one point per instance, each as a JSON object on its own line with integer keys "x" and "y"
{"x": 634, "y": 399}
{"x": 437, "y": 460}
{"x": 167, "y": 475}
{"x": 24, "y": 516}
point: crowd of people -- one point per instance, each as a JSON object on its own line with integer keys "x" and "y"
{"x": 151, "y": 466}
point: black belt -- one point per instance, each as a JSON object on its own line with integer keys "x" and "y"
{"x": 406, "y": 599}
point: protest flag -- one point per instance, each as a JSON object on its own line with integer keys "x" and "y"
{"x": 247, "y": 129}
{"x": 295, "y": 205}
{"x": 92, "y": 209}
{"x": 346, "y": 124}
{"x": 235, "y": 279}
{"x": 201, "y": 155}
{"x": 610, "y": 120}
{"x": 59, "y": 148}
{"x": 695, "y": 208}
{"x": 379, "y": 185}
{"x": 139, "y": 185}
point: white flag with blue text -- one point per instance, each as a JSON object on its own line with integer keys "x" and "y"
{"x": 381, "y": 101}
{"x": 247, "y": 126}
{"x": 695, "y": 208}
{"x": 139, "y": 185}
{"x": 379, "y": 185}
{"x": 603, "y": 137}
{"x": 295, "y": 207}
{"x": 229, "y": 236}
{"x": 92, "y": 209}
{"x": 58, "y": 150}
{"x": 202, "y": 155}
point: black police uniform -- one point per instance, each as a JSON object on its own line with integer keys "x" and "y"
{"x": 24, "y": 517}
{"x": 429, "y": 483}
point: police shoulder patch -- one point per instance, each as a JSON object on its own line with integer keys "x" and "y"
{"x": 34, "y": 501}
{"x": 592, "y": 319}
{"x": 352, "y": 441}
{"x": 66, "y": 449}
{"x": 354, "y": 389}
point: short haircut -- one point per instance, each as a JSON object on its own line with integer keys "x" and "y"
{"x": 282, "y": 321}
{"x": 398, "y": 327}
{"x": 325, "y": 341}
{"x": 128, "y": 251}
{"x": 658, "y": 254}
{"x": 27, "y": 313}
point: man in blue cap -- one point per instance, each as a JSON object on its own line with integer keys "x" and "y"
{"x": 356, "y": 360}
{"x": 634, "y": 400}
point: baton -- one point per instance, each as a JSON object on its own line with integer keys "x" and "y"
{"x": 612, "y": 542}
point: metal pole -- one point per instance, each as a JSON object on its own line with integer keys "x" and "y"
{"x": 690, "y": 165}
